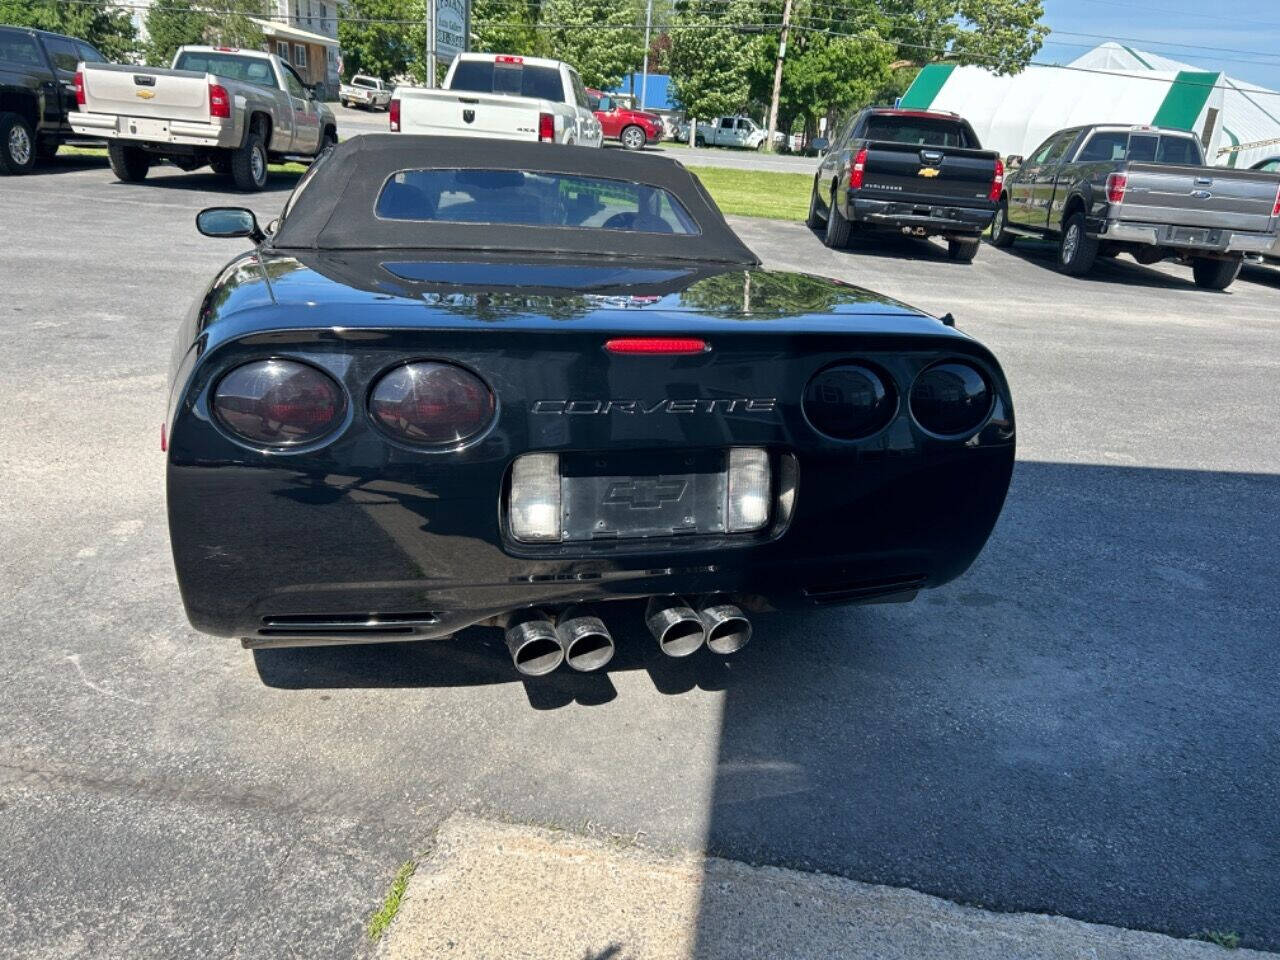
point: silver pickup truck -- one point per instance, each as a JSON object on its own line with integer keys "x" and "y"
{"x": 231, "y": 109}
{"x": 1106, "y": 189}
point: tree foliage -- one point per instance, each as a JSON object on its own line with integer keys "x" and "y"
{"x": 106, "y": 27}
{"x": 172, "y": 24}
{"x": 1002, "y": 35}
{"x": 507, "y": 26}
{"x": 604, "y": 39}
{"x": 385, "y": 50}
{"x": 712, "y": 58}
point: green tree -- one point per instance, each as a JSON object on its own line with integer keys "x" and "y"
{"x": 712, "y": 57}
{"x": 106, "y": 27}
{"x": 604, "y": 39}
{"x": 172, "y": 24}
{"x": 1002, "y": 35}
{"x": 507, "y": 26}
{"x": 234, "y": 25}
{"x": 385, "y": 49}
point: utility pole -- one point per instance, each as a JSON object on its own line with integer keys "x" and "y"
{"x": 777, "y": 74}
{"x": 644, "y": 76}
{"x": 431, "y": 42}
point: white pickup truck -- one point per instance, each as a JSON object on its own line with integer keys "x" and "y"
{"x": 231, "y": 109}
{"x": 741, "y": 132}
{"x": 504, "y": 98}
{"x": 365, "y": 91}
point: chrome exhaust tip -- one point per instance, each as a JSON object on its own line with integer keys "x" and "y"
{"x": 675, "y": 625}
{"x": 585, "y": 639}
{"x": 728, "y": 629}
{"x": 533, "y": 643}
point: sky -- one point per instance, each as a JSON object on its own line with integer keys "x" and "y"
{"x": 1245, "y": 33}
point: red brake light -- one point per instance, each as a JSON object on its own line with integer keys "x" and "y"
{"x": 434, "y": 403}
{"x": 80, "y": 87}
{"x": 859, "y": 167}
{"x": 227, "y": 49}
{"x": 1275, "y": 207}
{"x": 506, "y": 59}
{"x": 997, "y": 182}
{"x": 546, "y": 128}
{"x": 219, "y": 101}
{"x": 394, "y": 114}
{"x": 656, "y": 345}
{"x": 1116, "y": 183}
{"x": 278, "y": 402}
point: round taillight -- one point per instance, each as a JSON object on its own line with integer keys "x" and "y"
{"x": 849, "y": 401}
{"x": 431, "y": 403}
{"x": 951, "y": 399}
{"x": 278, "y": 402}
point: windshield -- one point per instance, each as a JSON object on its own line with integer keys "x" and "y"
{"x": 228, "y": 66}
{"x": 921, "y": 131}
{"x": 529, "y": 199}
{"x": 510, "y": 77}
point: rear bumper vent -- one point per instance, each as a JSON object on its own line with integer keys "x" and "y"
{"x": 886, "y": 590}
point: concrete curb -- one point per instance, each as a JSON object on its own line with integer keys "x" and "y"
{"x": 492, "y": 890}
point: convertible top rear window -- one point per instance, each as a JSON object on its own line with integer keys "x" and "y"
{"x": 531, "y": 199}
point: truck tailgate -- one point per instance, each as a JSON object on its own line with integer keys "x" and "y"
{"x": 131, "y": 91}
{"x": 467, "y": 114}
{"x": 1198, "y": 196}
{"x": 906, "y": 172}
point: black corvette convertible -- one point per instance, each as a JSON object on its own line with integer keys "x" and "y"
{"x": 453, "y": 385}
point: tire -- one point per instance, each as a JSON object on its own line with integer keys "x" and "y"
{"x": 813, "y": 221}
{"x": 633, "y": 138}
{"x": 328, "y": 139}
{"x": 46, "y": 150}
{"x": 1076, "y": 249}
{"x": 129, "y": 164}
{"x": 838, "y": 228}
{"x": 1215, "y": 274}
{"x": 249, "y": 162}
{"x": 221, "y": 164}
{"x": 17, "y": 144}
{"x": 699, "y": 141}
{"x": 1000, "y": 237}
{"x": 963, "y": 249}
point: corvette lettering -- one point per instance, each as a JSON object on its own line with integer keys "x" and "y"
{"x": 642, "y": 407}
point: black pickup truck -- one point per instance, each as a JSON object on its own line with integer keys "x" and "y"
{"x": 915, "y": 172}
{"x": 37, "y": 92}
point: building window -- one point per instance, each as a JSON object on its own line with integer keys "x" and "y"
{"x": 282, "y": 50}
{"x": 324, "y": 16}
{"x": 299, "y": 55}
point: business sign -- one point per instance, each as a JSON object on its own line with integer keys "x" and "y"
{"x": 453, "y": 17}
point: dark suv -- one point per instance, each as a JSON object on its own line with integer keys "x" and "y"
{"x": 37, "y": 91}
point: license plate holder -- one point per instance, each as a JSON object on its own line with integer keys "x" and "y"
{"x": 641, "y": 496}
{"x": 145, "y": 129}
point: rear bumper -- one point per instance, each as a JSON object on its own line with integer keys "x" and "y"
{"x": 932, "y": 217}
{"x": 1214, "y": 239}
{"x": 214, "y": 134}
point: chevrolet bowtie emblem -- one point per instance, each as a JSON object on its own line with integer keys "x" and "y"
{"x": 928, "y": 172}
{"x": 143, "y": 94}
{"x": 644, "y": 493}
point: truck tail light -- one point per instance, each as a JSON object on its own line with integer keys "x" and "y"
{"x": 859, "y": 168}
{"x": 219, "y": 102}
{"x": 1116, "y": 183}
{"x": 394, "y": 114}
{"x": 80, "y": 87}
{"x": 997, "y": 182}
{"x": 546, "y": 128}
{"x": 1275, "y": 207}
{"x": 431, "y": 403}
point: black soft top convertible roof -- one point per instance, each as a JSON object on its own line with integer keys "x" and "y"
{"x": 334, "y": 209}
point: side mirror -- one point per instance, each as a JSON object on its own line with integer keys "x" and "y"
{"x": 820, "y": 144}
{"x": 1013, "y": 161}
{"x": 229, "y": 223}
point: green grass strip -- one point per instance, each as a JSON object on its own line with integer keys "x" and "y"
{"x": 382, "y": 917}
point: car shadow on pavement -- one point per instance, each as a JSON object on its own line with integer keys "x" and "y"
{"x": 206, "y": 181}
{"x": 1120, "y": 269}
{"x": 1264, "y": 275}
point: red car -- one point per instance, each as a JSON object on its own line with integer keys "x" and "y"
{"x": 634, "y": 128}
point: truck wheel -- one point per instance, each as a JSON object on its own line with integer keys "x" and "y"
{"x": 249, "y": 163}
{"x": 328, "y": 139}
{"x": 813, "y": 221}
{"x": 633, "y": 138}
{"x": 221, "y": 164}
{"x": 17, "y": 144}
{"x": 1001, "y": 237}
{"x": 963, "y": 249}
{"x": 129, "y": 164}
{"x": 1076, "y": 250}
{"x": 699, "y": 141}
{"x": 46, "y": 150}
{"x": 837, "y": 235}
{"x": 1215, "y": 274}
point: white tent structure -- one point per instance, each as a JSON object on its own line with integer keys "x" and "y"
{"x": 1250, "y": 114}
{"x": 1013, "y": 114}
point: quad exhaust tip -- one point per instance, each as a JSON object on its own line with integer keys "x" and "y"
{"x": 675, "y": 625}
{"x": 728, "y": 629}
{"x": 534, "y": 645}
{"x": 586, "y": 641}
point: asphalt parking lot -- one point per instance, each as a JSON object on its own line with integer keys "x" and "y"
{"x": 1085, "y": 724}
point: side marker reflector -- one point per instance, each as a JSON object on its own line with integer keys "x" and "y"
{"x": 657, "y": 345}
